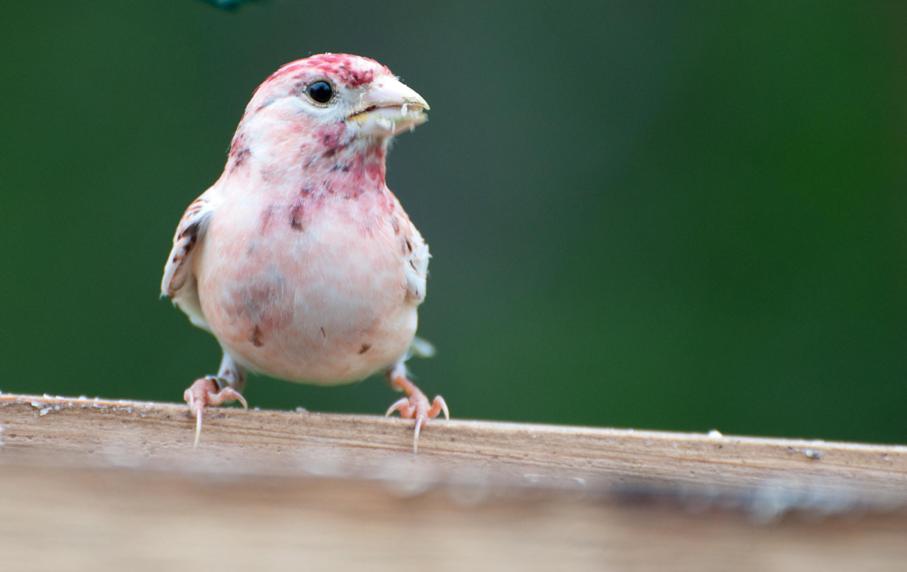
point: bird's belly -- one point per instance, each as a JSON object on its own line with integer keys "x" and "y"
{"x": 321, "y": 302}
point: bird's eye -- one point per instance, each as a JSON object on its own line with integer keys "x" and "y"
{"x": 320, "y": 91}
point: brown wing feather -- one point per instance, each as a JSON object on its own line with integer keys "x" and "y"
{"x": 178, "y": 282}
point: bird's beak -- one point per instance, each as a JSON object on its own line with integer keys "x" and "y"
{"x": 388, "y": 107}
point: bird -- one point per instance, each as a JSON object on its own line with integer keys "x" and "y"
{"x": 299, "y": 259}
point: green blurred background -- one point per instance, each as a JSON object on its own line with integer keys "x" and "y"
{"x": 672, "y": 215}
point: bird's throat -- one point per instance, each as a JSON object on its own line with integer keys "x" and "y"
{"x": 328, "y": 161}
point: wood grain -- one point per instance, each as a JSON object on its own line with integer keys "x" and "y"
{"x": 94, "y": 485}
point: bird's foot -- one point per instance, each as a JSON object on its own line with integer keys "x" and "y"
{"x": 415, "y": 405}
{"x": 207, "y": 391}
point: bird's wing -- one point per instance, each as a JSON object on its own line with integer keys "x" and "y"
{"x": 415, "y": 255}
{"x": 416, "y": 269}
{"x": 178, "y": 282}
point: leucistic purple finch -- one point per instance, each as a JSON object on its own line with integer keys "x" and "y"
{"x": 299, "y": 259}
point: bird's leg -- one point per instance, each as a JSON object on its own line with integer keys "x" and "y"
{"x": 216, "y": 390}
{"x": 415, "y": 405}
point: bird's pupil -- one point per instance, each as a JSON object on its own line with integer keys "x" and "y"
{"x": 320, "y": 91}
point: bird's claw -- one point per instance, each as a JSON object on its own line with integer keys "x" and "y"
{"x": 401, "y": 405}
{"x": 416, "y": 406}
{"x": 205, "y": 392}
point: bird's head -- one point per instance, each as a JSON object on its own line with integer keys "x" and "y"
{"x": 324, "y": 109}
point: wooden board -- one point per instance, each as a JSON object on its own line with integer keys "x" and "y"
{"x": 95, "y": 485}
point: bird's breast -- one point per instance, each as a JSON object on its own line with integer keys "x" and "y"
{"x": 308, "y": 288}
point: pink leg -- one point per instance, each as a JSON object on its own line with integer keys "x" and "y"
{"x": 415, "y": 405}
{"x": 205, "y": 392}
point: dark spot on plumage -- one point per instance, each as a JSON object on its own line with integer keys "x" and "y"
{"x": 323, "y": 335}
{"x": 296, "y": 213}
{"x": 365, "y": 348}
{"x": 256, "y": 338}
{"x": 241, "y": 157}
{"x": 239, "y": 151}
{"x": 409, "y": 245}
{"x": 412, "y": 264}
